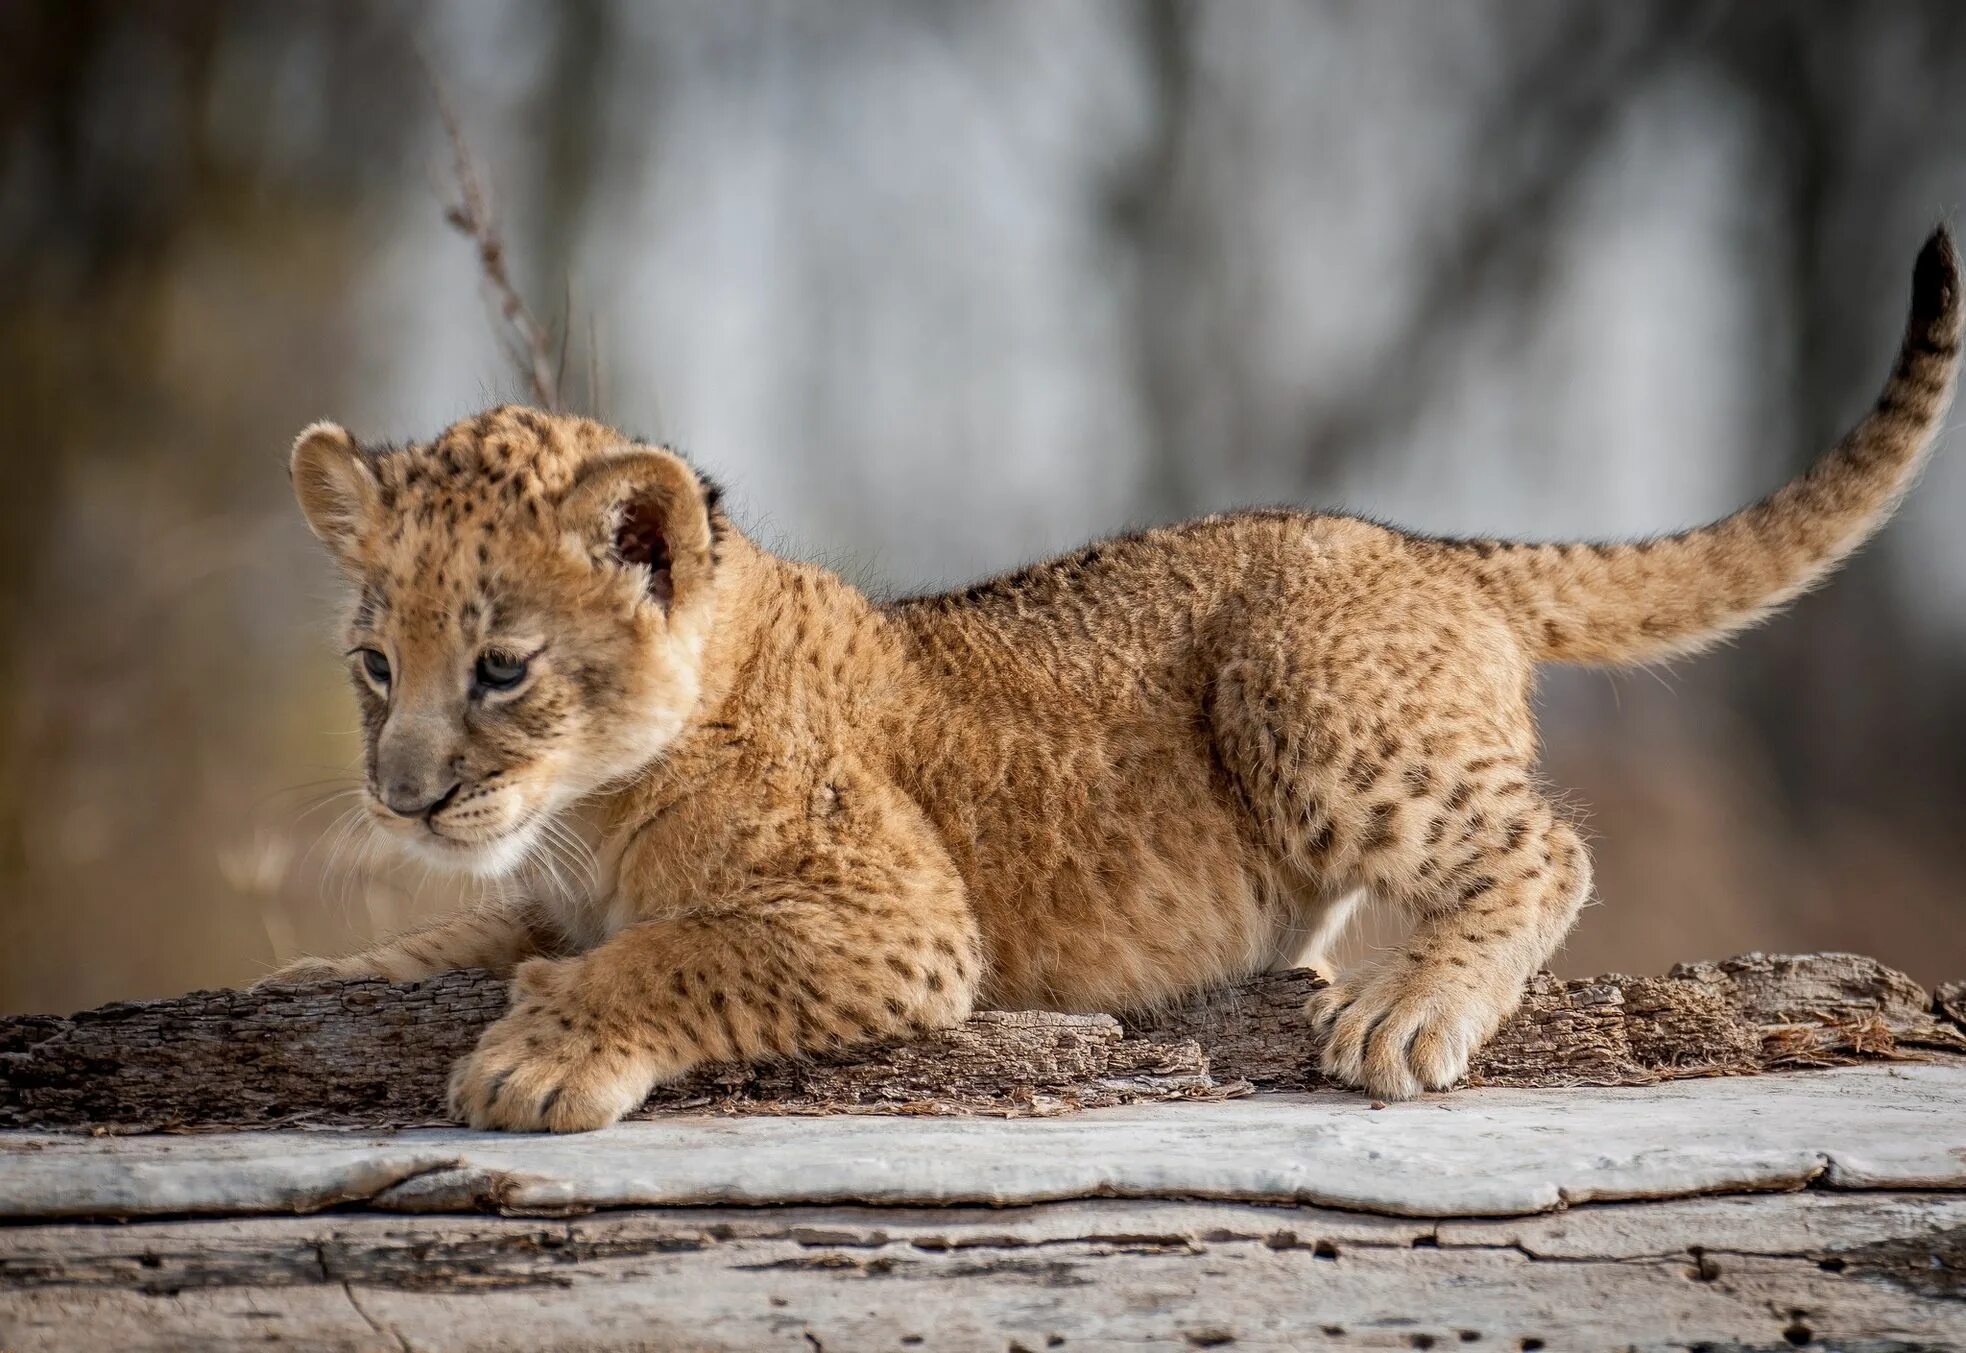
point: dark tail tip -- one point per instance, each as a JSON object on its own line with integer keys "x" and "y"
{"x": 1935, "y": 280}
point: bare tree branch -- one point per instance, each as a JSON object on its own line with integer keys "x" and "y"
{"x": 532, "y": 348}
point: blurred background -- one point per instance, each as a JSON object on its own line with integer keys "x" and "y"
{"x": 937, "y": 289}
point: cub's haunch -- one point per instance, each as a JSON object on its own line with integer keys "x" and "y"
{"x": 805, "y": 818}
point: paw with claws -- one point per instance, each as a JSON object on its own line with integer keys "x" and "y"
{"x": 1400, "y": 1029}
{"x": 553, "y": 1063}
{"x": 307, "y": 971}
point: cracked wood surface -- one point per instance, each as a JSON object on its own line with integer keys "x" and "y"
{"x": 369, "y": 1054}
{"x": 1486, "y": 1151}
{"x": 1761, "y": 1272}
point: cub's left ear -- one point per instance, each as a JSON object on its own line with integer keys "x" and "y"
{"x": 645, "y": 509}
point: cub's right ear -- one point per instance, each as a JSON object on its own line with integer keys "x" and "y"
{"x": 337, "y": 490}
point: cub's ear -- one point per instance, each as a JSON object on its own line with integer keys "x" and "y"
{"x": 642, "y": 508}
{"x": 337, "y": 490}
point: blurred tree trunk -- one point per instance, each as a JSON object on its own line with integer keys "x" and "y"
{"x": 1158, "y": 238}
{"x": 574, "y": 98}
{"x": 1831, "y": 731}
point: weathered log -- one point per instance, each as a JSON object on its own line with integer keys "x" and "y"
{"x": 1757, "y": 1012}
{"x": 1488, "y": 1151}
{"x": 1949, "y": 1000}
{"x": 1770, "y": 1271}
{"x": 369, "y": 1054}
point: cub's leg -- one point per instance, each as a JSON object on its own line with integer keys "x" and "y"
{"x": 1387, "y": 745}
{"x": 852, "y": 945}
{"x": 1492, "y": 897}
{"x": 495, "y": 937}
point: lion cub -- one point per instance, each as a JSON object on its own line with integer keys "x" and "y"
{"x": 1094, "y": 784}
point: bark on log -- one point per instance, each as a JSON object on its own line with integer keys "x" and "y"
{"x": 1949, "y": 999}
{"x": 369, "y": 1054}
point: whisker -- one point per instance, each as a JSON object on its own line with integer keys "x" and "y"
{"x": 325, "y": 803}
{"x": 342, "y": 824}
{"x": 535, "y": 862}
{"x": 579, "y": 856}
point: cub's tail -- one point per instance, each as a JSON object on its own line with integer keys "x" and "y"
{"x": 1649, "y": 600}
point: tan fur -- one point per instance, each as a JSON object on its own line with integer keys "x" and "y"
{"x": 1099, "y": 783}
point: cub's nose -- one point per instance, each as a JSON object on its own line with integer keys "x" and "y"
{"x": 406, "y": 797}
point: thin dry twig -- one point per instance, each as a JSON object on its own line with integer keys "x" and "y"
{"x": 534, "y": 351}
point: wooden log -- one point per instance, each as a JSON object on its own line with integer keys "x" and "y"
{"x": 372, "y": 1054}
{"x": 1949, "y": 1000}
{"x": 1757, "y": 1012}
{"x": 1772, "y": 1271}
{"x": 1487, "y": 1151}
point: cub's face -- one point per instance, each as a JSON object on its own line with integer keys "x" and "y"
{"x": 532, "y": 599}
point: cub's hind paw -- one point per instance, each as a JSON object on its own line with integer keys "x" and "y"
{"x": 1397, "y": 1032}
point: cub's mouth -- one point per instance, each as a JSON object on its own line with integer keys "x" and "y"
{"x": 486, "y": 857}
{"x": 488, "y": 836}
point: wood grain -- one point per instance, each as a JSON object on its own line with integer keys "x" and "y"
{"x": 1766, "y": 1272}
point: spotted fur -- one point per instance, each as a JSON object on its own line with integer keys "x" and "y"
{"x": 1098, "y": 783}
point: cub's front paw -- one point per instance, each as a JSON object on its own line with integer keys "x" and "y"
{"x": 550, "y": 1065}
{"x": 306, "y": 971}
{"x": 1400, "y": 1029}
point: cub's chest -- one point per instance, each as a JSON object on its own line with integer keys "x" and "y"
{"x": 573, "y": 875}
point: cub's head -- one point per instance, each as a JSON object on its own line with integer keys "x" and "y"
{"x": 533, "y": 596}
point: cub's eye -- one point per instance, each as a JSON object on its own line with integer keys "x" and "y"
{"x": 500, "y": 672}
{"x": 376, "y": 666}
